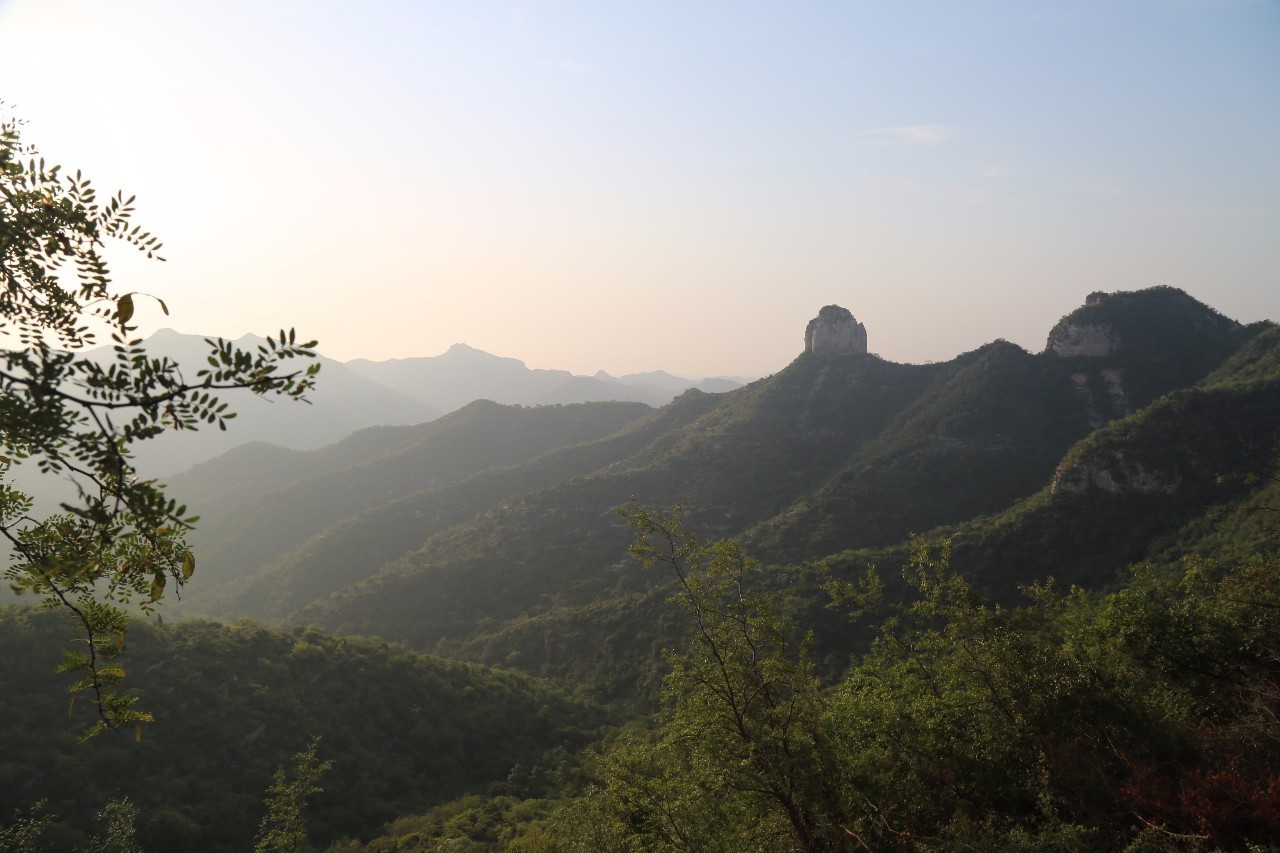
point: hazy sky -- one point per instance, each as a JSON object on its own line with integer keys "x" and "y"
{"x": 681, "y": 185}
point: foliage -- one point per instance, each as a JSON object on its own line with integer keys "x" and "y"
{"x": 740, "y": 759}
{"x": 23, "y": 834}
{"x": 471, "y": 823}
{"x": 349, "y": 513}
{"x": 1166, "y": 338}
{"x": 70, "y": 413}
{"x": 1145, "y": 717}
{"x": 404, "y": 731}
{"x": 826, "y": 455}
{"x": 37, "y": 829}
{"x": 119, "y": 821}
{"x": 283, "y": 828}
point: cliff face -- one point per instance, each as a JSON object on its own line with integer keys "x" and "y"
{"x": 1114, "y": 475}
{"x": 835, "y": 332}
{"x": 1084, "y": 339}
{"x": 1147, "y": 321}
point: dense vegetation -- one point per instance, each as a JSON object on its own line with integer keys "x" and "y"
{"x": 1142, "y": 720}
{"x": 404, "y": 731}
{"x": 828, "y": 460}
{"x": 1081, "y": 651}
{"x": 1144, "y": 717}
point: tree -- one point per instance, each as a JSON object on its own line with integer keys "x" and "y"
{"x": 119, "y": 833}
{"x": 23, "y": 834}
{"x": 283, "y": 828}
{"x": 76, "y": 417}
{"x": 741, "y": 759}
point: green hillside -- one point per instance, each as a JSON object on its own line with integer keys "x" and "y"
{"x": 841, "y": 459}
{"x": 1145, "y": 434}
{"x": 750, "y": 456}
{"x": 827, "y": 455}
{"x": 403, "y": 731}
{"x": 385, "y": 465}
{"x": 351, "y": 550}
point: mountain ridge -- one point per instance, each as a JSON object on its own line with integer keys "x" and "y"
{"x": 832, "y": 457}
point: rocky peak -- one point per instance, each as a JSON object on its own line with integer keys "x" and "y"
{"x": 835, "y": 332}
{"x": 1139, "y": 322}
{"x": 1084, "y": 339}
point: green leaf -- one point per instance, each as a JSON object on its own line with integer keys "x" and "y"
{"x": 188, "y": 566}
{"x": 157, "y": 587}
{"x": 124, "y": 308}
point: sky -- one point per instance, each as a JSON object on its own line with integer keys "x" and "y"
{"x": 665, "y": 185}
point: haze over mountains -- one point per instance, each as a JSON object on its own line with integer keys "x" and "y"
{"x": 363, "y": 393}
{"x": 1143, "y": 431}
{"x": 489, "y": 533}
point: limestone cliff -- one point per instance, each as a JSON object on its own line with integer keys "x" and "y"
{"x": 1081, "y": 339}
{"x": 1114, "y": 474}
{"x": 1139, "y": 323}
{"x": 835, "y": 332}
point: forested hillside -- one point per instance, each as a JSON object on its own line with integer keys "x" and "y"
{"x": 261, "y": 518}
{"x": 834, "y": 459}
{"x": 1011, "y": 601}
{"x": 404, "y": 731}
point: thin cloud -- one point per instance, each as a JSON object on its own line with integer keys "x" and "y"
{"x": 993, "y": 170}
{"x": 576, "y": 67}
{"x": 911, "y": 134}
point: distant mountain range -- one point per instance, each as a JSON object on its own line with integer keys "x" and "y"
{"x": 399, "y": 392}
{"x": 491, "y": 534}
{"x": 1147, "y": 430}
{"x": 462, "y": 374}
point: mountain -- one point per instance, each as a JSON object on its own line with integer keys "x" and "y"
{"x": 359, "y": 394}
{"x": 1143, "y": 433}
{"x": 262, "y": 517}
{"x": 342, "y": 402}
{"x": 348, "y": 551}
{"x": 462, "y": 374}
{"x": 839, "y": 456}
{"x": 403, "y": 731}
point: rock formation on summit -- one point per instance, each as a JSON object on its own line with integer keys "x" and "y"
{"x": 835, "y": 332}
{"x": 1158, "y": 319}
{"x": 1081, "y": 339}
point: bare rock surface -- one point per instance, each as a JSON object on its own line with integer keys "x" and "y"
{"x": 835, "y": 332}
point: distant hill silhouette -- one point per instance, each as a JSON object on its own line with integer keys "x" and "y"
{"x": 522, "y": 562}
{"x": 342, "y": 403}
{"x": 358, "y": 394}
{"x": 451, "y": 380}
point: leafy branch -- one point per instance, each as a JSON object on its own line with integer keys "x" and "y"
{"x": 72, "y": 412}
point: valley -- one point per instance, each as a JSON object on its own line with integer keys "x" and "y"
{"x": 487, "y": 546}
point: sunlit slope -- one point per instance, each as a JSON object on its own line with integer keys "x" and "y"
{"x": 988, "y": 430}
{"x": 477, "y": 437}
{"x": 1182, "y": 475}
{"x": 994, "y": 427}
{"x": 758, "y": 452}
{"x": 356, "y": 547}
{"x": 1192, "y": 473}
{"x": 525, "y": 562}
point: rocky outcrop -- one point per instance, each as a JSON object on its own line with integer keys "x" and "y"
{"x": 1113, "y": 380}
{"x": 1080, "y": 339}
{"x": 1114, "y": 475}
{"x": 835, "y": 332}
{"x": 1116, "y": 400}
{"x": 1139, "y": 324}
{"x": 1080, "y": 384}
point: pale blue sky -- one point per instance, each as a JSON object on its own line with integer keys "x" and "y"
{"x": 667, "y": 185}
